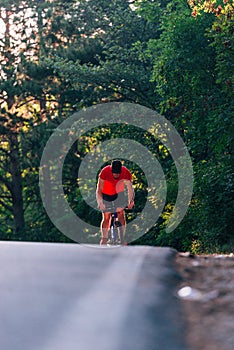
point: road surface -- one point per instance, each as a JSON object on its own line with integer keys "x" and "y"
{"x": 77, "y": 297}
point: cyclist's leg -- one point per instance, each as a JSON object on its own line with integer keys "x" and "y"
{"x": 121, "y": 203}
{"x": 121, "y": 226}
{"x": 106, "y": 217}
{"x": 122, "y": 218}
{"x": 105, "y": 225}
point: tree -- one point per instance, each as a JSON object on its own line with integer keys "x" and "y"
{"x": 114, "y": 34}
{"x": 191, "y": 77}
{"x": 10, "y": 152}
{"x": 30, "y": 96}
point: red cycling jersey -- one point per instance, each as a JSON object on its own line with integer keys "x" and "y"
{"x": 112, "y": 185}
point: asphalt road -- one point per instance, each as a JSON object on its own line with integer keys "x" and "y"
{"x": 76, "y": 297}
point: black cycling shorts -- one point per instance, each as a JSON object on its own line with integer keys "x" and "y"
{"x": 112, "y": 202}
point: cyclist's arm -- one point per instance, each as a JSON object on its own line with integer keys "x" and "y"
{"x": 99, "y": 198}
{"x": 130, "y": 194}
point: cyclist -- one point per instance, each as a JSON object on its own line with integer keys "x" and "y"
{"x": 111, "y": 185}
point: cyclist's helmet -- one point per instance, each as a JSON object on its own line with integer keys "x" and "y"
{"x": 116, "y": 166}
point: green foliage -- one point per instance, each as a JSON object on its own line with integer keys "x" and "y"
{"x": 193, "y": 61}
{"x": 158, "y": 54}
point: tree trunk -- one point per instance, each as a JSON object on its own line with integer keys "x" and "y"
{"x": 16, "y": 185}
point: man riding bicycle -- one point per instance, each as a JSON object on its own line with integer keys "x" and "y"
{"x": 111, "y": 192}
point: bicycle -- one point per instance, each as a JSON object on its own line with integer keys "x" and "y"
{"x": 115, "y": 233}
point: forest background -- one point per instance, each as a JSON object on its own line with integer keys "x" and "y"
{"x": 174, "y": 57}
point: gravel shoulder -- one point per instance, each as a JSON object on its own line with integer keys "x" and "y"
{"x": 207, "y": 298}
